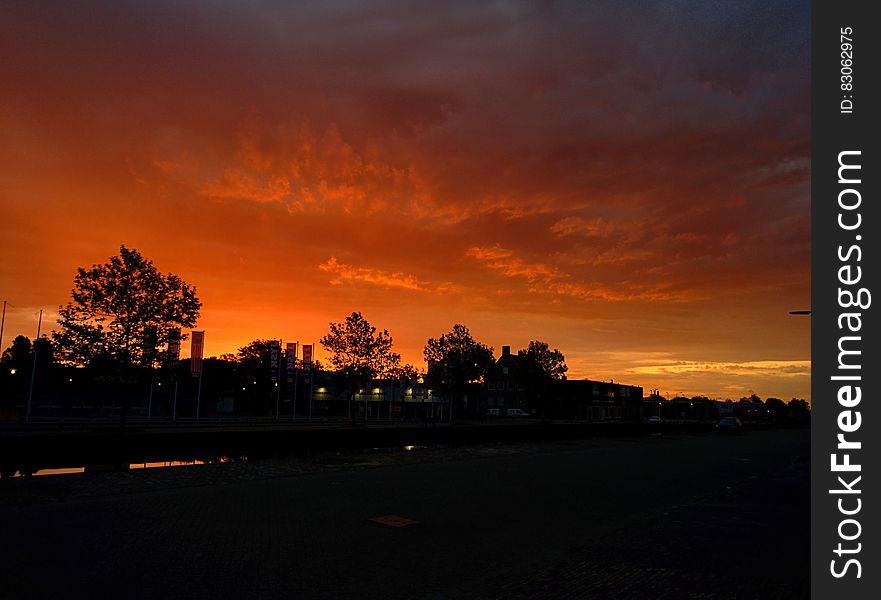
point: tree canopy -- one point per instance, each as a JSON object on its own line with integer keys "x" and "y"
{"x": 455, "y": 358}
{"x": 125, "y": 310}
{"x": 358, "y": 350}
{"x": 547, "y": 363}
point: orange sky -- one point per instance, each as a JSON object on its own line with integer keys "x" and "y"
{"x": 631, "y": 186}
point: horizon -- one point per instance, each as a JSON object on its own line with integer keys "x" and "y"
{"x": 530, "y": 172}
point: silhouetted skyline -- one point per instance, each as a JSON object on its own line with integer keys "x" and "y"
{"x": 629, "y": 183}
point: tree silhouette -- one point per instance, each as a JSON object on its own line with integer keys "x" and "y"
{"x": 542, "y": 366}
{"x": 124, "y": 309}
{"x": 18, "y": 354}
{"x": 359, "y": 352}
{"x": 456, "y": 359}
{"x": 551, "y": 363}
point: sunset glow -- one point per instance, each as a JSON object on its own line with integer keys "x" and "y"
{"x": 628, "y": 184}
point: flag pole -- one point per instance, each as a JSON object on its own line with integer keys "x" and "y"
{"x": 34, "y": 368}
{"x": 199, "y": 396}
{"x": 2, "y": 325}
{"x": 310, "y": 381}
{"x": 294, "y": 401}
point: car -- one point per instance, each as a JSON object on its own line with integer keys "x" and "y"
{"x": 729, "y": 424}
{"x": 516, "y": 412}
{"x": 653, "y": 419}
{"x": 492, "y": 412}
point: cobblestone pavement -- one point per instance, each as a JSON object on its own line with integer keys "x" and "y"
{"x": 705, "y": 548}
{"x": 703, "y": 517}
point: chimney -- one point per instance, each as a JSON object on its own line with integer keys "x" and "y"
{"x": 506, "y": 350}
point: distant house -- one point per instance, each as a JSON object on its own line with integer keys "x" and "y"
{"x": 591, "y": 400}
{"x": 506, "y": 386}
{"x": 505, "y": 383}
{"x": 379, "y": 398}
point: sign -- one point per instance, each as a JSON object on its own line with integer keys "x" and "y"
{"x": 273, "y": 359}
{"x": 291, "y": 360}
{"x": 197, "y": 346}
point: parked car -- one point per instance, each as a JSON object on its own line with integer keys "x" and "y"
{"x": 653, "y": 419}
{"x": 516, "y": 412}
{"x": 492, "y": 412}
{"x": 729, "y": 424}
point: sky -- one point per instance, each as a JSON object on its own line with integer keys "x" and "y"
{"x": 628, "y": 182}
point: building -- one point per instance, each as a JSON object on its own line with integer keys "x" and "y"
{"x": 507, "y": 385}
{"x": 590, "y": 400}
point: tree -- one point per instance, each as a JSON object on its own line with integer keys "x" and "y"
{"x": 124, "y": 309}
{"x": 542, "y": 366}
{"x": 777, "y": 409}
{"x": 18, "y": 354}
{"x": 255, "y": 353}
{"x": 405, "y": 372}
{"x": 455, "y": 359}
{"x": 799, "y": 410}
{"x": 359, "y": 351}
{"x": 551, "y": 363}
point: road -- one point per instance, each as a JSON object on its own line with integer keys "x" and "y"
{"x": 689, "y": 516}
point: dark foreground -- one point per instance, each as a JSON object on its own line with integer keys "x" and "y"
{"x": 688, "y": 516}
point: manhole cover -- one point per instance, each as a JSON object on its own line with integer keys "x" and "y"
{"x": 393, "y": 521}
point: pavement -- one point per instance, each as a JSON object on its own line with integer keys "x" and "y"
{"x": 671, "y": 516}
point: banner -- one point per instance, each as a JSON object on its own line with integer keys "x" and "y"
{"x": 197, "y": 344}
{"x": 273, "y": 359}
{"x": 307, "y": 362}
{"x": 291, "y": 360}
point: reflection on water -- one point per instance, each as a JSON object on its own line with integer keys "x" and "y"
{"x": 166, "y": 463}
{"x": 204, "y": 460}
{"x": 54, "y": 471}
{"x": 130, "y": 466}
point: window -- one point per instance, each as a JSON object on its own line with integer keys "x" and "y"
{"x": 490, "y": 386}
{"x": 625, "y": 392}
{"x": 511, "y": 385}
{"x": 504, "y": 370}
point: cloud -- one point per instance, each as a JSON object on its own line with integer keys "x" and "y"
{"x": 759, "y": 368}
{"x": 344, "y": 273}
{"x": 239, "y": 185}
{"x": 558, "y": 165}
{"x": 546, "y": 279}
